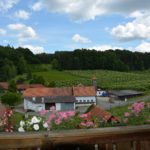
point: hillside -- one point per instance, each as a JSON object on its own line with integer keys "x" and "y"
{"x": 105, "y": 79}
{"x": 128, "y": 68}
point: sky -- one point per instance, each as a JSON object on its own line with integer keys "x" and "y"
{"x": 56, "y": 25}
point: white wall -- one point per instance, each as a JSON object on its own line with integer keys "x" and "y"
{"x": 58, "y": 106}
{"x": 29, "y": 105}
{"x": 87, "y": 100}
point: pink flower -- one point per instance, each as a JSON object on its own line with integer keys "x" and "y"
{"x": 63, "y": 115}
{"x": 137, "y": 107}
{"x": 89, "y": 123}
{"x": 83, "y": 116}
{"x": 43, "y": 112}
{"x": 71, "y": 113}
{"x": 126, "y": 114}
{"x": 57, "y": 121}
{"x": 52, "y": 117}
{"x": 83, "y": 124}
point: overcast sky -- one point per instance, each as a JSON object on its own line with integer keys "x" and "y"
{"x": 52, "y": 25}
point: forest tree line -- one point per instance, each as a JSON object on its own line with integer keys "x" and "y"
{"x": 15, "y": 61}
{"x": 83, "y": 59}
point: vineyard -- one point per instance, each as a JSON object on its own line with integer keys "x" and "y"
{"x": 105, "y": 79}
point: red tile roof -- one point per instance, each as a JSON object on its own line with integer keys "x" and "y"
{"x": 84, "y": 91}
{"x": 39, "y": 92}
{"x": 101, "y": 114}
{"x": 4, "y": 85}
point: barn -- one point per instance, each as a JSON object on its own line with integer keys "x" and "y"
{"x": 38, "y": 99}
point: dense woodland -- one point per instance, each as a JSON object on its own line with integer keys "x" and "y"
{"x": 15, "y": 61}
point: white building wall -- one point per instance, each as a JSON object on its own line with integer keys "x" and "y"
{"x": 87, "y": 100}
{"x": 29, "y": 105}
{"x": 58, "y": 106}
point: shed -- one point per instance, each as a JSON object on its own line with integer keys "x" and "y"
{"x": 102, "y": 114}
{"x": 123, "y": 94}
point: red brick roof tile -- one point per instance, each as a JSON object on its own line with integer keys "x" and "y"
{"x": 101, "y": 114}
{"x": 39, "y": 92}
{"x": 84, "y": 91}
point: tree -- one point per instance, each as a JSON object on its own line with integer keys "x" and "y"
{"x": 22, "y": 66}
{"x": 8, "y": 70}
{"x": 37, "y": 80}
{"x": 12, "y": 86}
{"x": 20, "y": 80}
{"x": 11, "y": 99}
{"x": 55, "y": 64}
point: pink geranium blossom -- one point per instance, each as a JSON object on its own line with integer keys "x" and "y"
{"x": 52, "y": 117}
{"x": 89, "y": 123}
{"x": 126, "y": 114}
{"x": 83, "y": 124}
{"x": 63, "y": 115}
{"x": 43, "y": 112}
{"x": 57, "y": 122}
{"x": 71, "y": 113}
{"x": 137, "y": 107}
{"x": 83, "y": 116}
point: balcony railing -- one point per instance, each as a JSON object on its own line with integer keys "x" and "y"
{"x": 112, "y": 138}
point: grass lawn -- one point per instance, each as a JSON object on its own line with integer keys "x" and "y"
{"x": 119, "y": 111}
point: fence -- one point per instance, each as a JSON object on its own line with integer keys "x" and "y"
{"x": 112, "y": 138}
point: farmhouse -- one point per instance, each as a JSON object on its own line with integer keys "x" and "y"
{"x": 65, "y": 98}
{"x": 38, "y": 99}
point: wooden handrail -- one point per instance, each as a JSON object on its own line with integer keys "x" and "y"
{"x": 76, "y": 136}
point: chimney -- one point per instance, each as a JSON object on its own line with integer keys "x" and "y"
{"x": 94, "y": 82}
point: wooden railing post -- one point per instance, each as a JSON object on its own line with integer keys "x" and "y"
{"x": 113, "y": 138}
{"x": 96, "y": 146}
{"x": 114, "y": 146}
{"x": 77, "y": 148}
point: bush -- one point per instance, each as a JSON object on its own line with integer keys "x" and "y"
{"x": 11, "y": 99}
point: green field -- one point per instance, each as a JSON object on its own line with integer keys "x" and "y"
{"x": 105, "y": 79}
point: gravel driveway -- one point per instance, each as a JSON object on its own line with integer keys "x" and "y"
{"x": 116, "y": 103}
